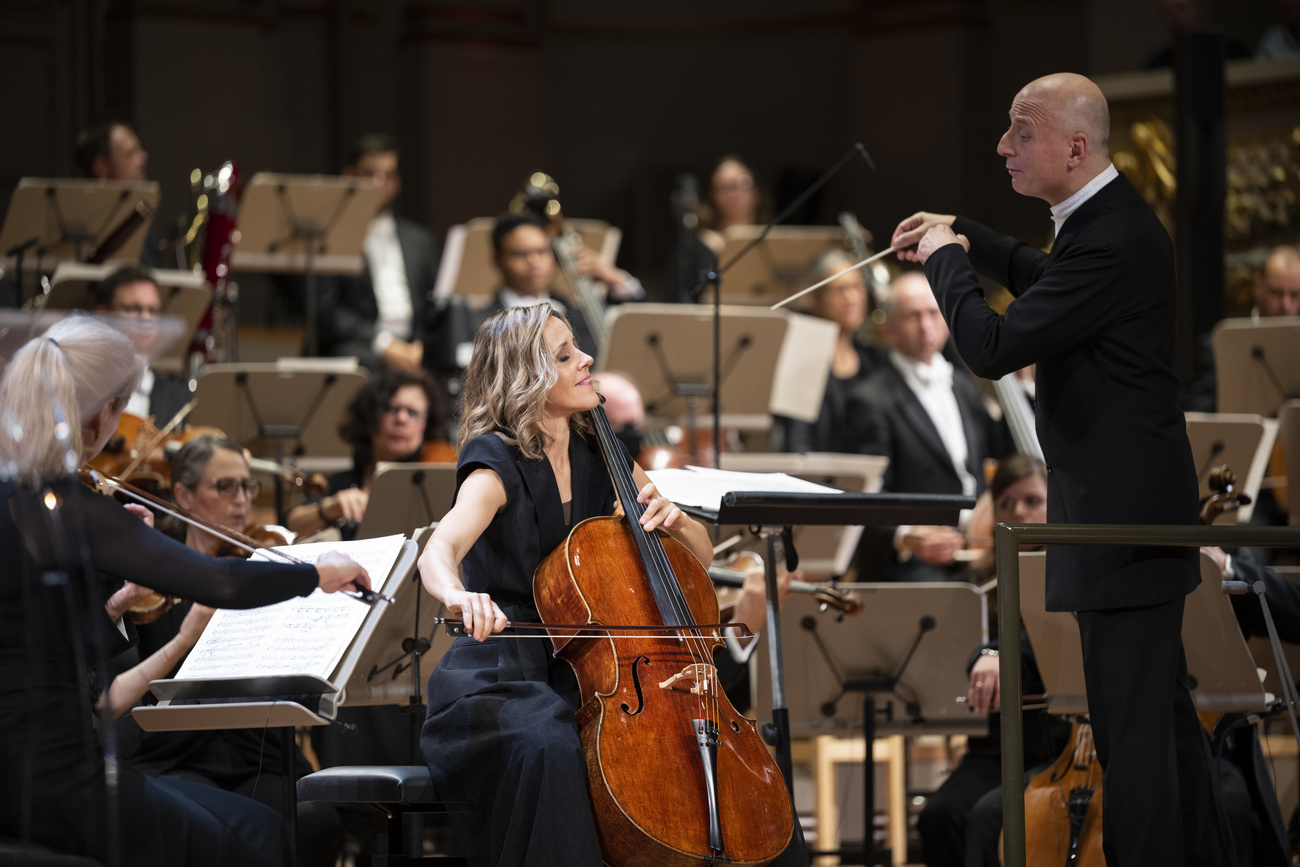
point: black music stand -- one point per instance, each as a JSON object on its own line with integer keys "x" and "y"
{"x": 304, "y": 224}
{"x": 775, "y": 515}
{"x": 264, "y": 406}
{"x": 66, "y": 219}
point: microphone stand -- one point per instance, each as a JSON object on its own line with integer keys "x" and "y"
{"x": 713, "y": 278}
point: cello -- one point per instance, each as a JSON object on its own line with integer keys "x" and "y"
{"x": 675, "y": 774}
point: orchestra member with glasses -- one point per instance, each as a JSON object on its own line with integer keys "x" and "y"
{"x": 398, "y": 416}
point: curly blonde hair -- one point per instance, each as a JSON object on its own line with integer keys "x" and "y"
{"x": 53, "y": 386}
{"x": 509, "y": 377}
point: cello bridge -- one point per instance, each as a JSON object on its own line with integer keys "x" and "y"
{"x": 696, "y": 678}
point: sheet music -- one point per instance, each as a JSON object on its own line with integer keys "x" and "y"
{"x": 704, "y": 488}
{"x": 303, "y": 635}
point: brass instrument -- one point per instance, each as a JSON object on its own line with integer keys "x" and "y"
{"x": 541, "y": 195}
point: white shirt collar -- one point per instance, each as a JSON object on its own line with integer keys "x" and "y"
{"x": 1062, "y": 212}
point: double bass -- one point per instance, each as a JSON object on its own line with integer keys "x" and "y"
{"x": 676, "y": 775}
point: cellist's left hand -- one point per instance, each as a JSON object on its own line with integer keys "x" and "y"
{"x": 659, "y": 510}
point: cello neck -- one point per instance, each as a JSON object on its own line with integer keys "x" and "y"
{"x": 668, "y": 595}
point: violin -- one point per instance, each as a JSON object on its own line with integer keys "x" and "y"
{"x": 732, "y": 575}
{"x": 676, "y": 775}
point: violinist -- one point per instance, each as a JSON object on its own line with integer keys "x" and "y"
{"x": 131, "y": 292}
{"x": 60, "y": 397}
{"x": 211, "y": 480}
{"x": 398, "y": 415}
{"x": 838, "y": 425}
{"x": 501, "y": 734}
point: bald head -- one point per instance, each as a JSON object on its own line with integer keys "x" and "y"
{"x": 623, "y": 403}
{"x": 1057, "y": 139}
{"x": 1277, "y": 289}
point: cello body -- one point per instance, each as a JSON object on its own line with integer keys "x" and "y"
{"x": 670, "y": 763}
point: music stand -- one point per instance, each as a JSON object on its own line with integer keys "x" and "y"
{"x": 1242, "y": 441}
{"x": 304, "y": 224}
{"x": 906, "y": 653}
{"x": 668, "y": 346}
{"x": 404, "y": 496}
{"x": 824, "y": 551}
{"x": 287, "y": 701}
{"x": 1257, "y": 363}
{"x": 776, "y": 268}
{"x": 184, "y": 294}
{"x": 65, "y": 218}
{"x": 264, "y": 406}
{"x": 775, "y": 515}
{"x": 467, "y": 267}
{"x": 1220, "y": 668}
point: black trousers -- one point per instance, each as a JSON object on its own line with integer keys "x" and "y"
{"x": 1161, "y": 800}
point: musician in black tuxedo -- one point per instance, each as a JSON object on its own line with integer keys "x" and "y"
{"x": 379, "y": 315}
{"x": 927, "y": 417}
{"x": 1097, "y": 316}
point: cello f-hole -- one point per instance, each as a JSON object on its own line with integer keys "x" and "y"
{"x": 636, "y": 682}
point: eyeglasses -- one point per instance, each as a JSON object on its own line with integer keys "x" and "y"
{"x": 412, "y": 414}
{"x": 229, "y": 488}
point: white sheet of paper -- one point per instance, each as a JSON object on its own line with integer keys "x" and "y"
{"x": 303, "y": 635}
{"x": 704, "y": 488}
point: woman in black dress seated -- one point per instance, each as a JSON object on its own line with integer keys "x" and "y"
{"x": 500, "y": 734}
{"x": 844, "y": 302}
{"x": 64, "y": 551}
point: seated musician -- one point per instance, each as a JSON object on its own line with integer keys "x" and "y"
{"x": 528, "y": 472}
{"x": 379, "y": 315}
{"x": 130, "y": 291}
{"x": 734, "y": 199}
{"x": 844, "y": 302}
{"x": 522, "y": 253}
{"x": 1018, "y": 494}
{"x": 211, "y": 480}
{"x": 398, "y": 416}
{"x": 112, "y": 151}
{"x": 62, "y": 394}
{"x": 1277, "y": 293}
{"x": 928, "y": 418}
{"x": 962, "y": 821}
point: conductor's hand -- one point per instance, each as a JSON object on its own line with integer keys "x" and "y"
{"x": 982, "y": 696}
{"x": 478, "y": 612}
{"x": 910, "y": 232}
{"x": 659, "y": 510}
{"x": 337, "y": 572}
{"x": 937, "y": 546}
{"x": 939, "y": 236}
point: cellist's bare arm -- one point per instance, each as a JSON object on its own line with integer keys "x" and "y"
{"x": 480, "y": 498}
{"x": 662, "y": 512}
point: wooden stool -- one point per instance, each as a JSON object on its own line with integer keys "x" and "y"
{"x": 823, "y": 753}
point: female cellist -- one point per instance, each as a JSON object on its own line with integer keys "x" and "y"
{"x": 501, "y": 734}
{"x": 64, "y": 547}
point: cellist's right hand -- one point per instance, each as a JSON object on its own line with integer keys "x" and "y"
{"x": 478, "y": 612}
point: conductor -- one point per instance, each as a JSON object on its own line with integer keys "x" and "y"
{"x": 1096, "y": 316}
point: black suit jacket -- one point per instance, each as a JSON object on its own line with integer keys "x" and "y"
{"x": 169, "y": 395}
{"x": 348, "y": 312}
{"x": 1097, "y": 316}
{"x": 895, "y": 424}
